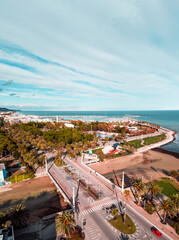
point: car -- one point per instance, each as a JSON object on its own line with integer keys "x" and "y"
{"x": 156, "y": 231}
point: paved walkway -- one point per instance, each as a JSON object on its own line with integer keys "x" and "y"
{"x": 153, "y": 218}
{"x": 92, "y": 212}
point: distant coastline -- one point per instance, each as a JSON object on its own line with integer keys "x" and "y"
{"x": 8, "y": 110}
{"x": 165, "y": 118}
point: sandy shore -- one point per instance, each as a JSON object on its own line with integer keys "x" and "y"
{"x": 149, "y": 165}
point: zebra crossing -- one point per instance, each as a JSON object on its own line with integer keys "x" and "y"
{"x": 92, "y": 233}
{"x": 139, "y": 234}
{"x": 99, "y": 207}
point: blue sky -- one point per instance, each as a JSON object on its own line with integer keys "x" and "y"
{"x": 89, "y": 55}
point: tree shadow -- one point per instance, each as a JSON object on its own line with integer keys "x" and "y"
{"x": 77, "y": 210}
{"x": 5, "y": 204}
{"x": 165, "y": 172}
{"x": 18, "y": 201}
{"x": 124, "y": 236}
{"x": 128, "y": 181}
{"x": 46, "y": 228}
{"x": 116, "y": 178}
{"x": 133, "y": 193}
{"x": 165, "y": 179}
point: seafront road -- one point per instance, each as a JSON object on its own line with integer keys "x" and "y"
{"x": 92, "y": 215}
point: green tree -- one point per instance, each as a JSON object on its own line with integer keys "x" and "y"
{"x": 153, "y": 190}
{"x": 3, "y": 218}
{"x": 19, "y": 215}
{"x": 139, "y": 186}
{"x": 114, "y": 212}
{"x": 175, "y": 200}
{"x": 65, "y": 224}
{"x": 167, "y": 207}
{"x": 174, "y": 173}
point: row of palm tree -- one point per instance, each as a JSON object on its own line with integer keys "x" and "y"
{"x": 151, "y": 189}
{"x": 169, "y": 206}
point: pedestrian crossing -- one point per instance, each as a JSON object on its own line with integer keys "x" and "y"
{"x": 99, "y": 207}
{"x": 92, "y": 233}
{"x": 139, "y": 234}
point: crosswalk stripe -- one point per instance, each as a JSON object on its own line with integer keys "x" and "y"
{"x": 99, "y": 207}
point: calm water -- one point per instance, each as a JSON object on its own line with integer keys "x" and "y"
{"x": 168, "y": 119}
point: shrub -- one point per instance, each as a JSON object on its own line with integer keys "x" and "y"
{"x": 174, "y": 174}
{"x": 19, "y": 178}
{"x": 175, "y": 225}
{"x": 150, "y": 209}
{"x": 59, "y": 162}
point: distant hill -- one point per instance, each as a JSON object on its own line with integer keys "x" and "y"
{"x": 7, "y": 110}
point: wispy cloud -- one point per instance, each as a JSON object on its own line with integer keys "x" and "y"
{"x": 12, "y": 94}
{"x": 108, "y": 53}
{"x": 7, "y": 83}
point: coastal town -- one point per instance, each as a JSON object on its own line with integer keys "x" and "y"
{"x": 89, "y": 120}
{"x": 109, "y": 179}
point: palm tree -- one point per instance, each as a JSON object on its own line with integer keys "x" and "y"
{"x": 19, "y": 215}
{"x": 65, "y": 223}
{"x": 139, "y": 185}
{"x": 3, "y": 218}
{"x": 175, "y": 200}
{"x": 114, "y": 212}
{"x": 127, "y": 194}
{"x": 153, "y": 190}
{"x": 167, "y": 208}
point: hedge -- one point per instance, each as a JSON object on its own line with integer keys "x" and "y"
{"x": 19, "y": 178}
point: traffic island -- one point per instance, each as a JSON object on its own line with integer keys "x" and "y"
{"x": 118, "y": 222}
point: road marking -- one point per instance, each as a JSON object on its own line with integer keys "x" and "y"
{"x": 148, "y": 221}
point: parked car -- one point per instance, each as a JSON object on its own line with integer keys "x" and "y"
{"x": 156, "y": 231}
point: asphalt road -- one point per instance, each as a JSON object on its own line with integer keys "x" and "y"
{"x": 97, "y": 227}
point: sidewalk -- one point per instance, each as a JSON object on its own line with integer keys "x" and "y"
{"x": 153, "y": 218}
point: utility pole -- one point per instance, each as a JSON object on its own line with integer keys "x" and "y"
{"x": 123, "y": 181}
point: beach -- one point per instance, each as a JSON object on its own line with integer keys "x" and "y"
{"x": 149, "y": 165}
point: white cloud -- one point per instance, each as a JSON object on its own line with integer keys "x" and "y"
{"x": 111, "y": 45}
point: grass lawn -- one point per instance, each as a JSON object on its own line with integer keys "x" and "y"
{"x": 135, "y": 143}
{"x": 155, "y": 139}
{"x": 169, "y": 186}
{"x": 127, "y": 228}
{"x": 94, "y": 151}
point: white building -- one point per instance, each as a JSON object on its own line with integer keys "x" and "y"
{"x": 132, "y": 128}
{"x": 69, "y": 125}
{"x": 2, "y": 172}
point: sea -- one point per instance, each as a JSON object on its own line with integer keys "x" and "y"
{"x": 168, "y": 119}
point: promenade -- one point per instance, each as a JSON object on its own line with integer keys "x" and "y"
{"x": 90, "y": 214}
